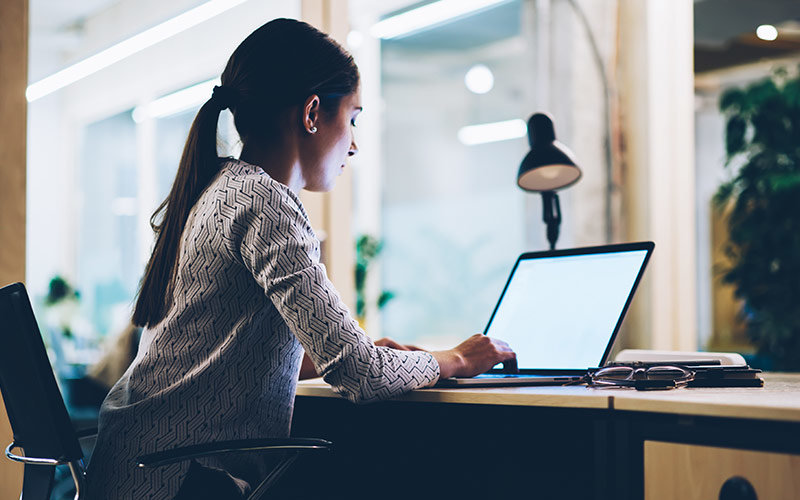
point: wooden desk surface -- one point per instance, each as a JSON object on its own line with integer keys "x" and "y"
{"x": 561, "y": 397}
{"x": 779, "y": 399}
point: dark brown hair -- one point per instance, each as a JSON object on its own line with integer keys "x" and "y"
{"x": 278, "y": 66}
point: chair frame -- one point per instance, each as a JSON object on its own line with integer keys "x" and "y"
{"x": 168, "y": 457}
{"x": 35, "y": 466}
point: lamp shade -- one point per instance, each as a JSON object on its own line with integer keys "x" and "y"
{"x": 549, "y": 165}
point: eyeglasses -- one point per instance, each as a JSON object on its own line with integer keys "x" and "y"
{"x": 643, "y": 379}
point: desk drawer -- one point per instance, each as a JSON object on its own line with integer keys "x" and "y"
{"x": 688, "y": 471}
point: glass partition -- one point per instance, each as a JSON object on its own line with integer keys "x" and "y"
{"x": 454, "y": 99}
{"x": 108, "y": 262}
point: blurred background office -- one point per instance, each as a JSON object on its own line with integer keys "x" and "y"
{"x": 633, "y": 90}
{"x": 422, "y": 229}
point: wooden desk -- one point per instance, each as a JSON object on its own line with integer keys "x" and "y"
{"x": 778, "y": 400}
{"x": 557, "y": 397}
{"x": 687, "y": 443}
{"x": 560, "y": 442}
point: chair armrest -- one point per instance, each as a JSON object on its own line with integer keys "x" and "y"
{"x": 32, "y": 460}
{"x": 237, "y": 445}
{"x": 85, "y": 433}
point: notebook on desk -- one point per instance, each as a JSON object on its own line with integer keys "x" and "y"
{"x": 560, "y": 311}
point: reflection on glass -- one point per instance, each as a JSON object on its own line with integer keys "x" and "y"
{"x": 454, "y": 220}
{"x": 171, "y": 132}
{"x": 108, "y": 263}
{"x": 115, "y": 202}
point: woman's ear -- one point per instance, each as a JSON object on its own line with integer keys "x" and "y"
{"x": 311, "y": 113}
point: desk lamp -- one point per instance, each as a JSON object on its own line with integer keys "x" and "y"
{"x": 547, "y": 167}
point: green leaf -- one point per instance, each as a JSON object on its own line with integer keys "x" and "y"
{"x": 788, "y": 181}
{"x": 732, "y": 100}
{"x": 385, "y": 297}
{"x": 734, "y": 135}
{"x": 759, "y": 93}
{"x": 367, "y": 247}
{"x": 360, "y": 306}
{"x": 791, "y": 93}
{"x": 723, "y": 194}
{"x": 360, "y": 276}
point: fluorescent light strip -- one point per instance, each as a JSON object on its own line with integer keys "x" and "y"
{"x": 427, "y": 16}
{"x": 176, "y": 102}
{"x": 492, "y": 132}
{"x": 126, "y": 48}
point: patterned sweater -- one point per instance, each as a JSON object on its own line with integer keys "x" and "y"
{"x": 250, "y": 296}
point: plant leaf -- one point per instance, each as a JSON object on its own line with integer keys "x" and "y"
{"x": 385, "y": 297}
{"x": 732, "y": 99}
{"x": 734, "y": 135}
{"x": 723, "y": 194}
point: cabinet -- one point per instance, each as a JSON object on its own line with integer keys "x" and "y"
{"x": 687, "y": 471}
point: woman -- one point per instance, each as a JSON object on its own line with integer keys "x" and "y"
{"x": 234, "y": 293}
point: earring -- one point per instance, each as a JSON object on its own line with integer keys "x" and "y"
{"x": 312, "y": 130}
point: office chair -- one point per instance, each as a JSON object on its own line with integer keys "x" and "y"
{"x": 42, "y": 427}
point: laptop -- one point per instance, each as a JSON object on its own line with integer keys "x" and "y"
{"x": 560, "y": 311}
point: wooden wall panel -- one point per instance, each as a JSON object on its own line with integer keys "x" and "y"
{"x": 13, "y": 116}
{"x": 331, "y": 213}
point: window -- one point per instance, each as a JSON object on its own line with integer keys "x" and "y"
{"x": 452, "y": 219}
{"x": 108, "y": 262}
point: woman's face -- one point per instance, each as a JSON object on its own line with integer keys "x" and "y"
{"x": 325, "y": 152}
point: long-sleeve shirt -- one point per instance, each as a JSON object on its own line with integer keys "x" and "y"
{"x": 250, "y": 296}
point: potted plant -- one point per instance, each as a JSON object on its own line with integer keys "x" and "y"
{"x": 367, "y": 250}
{"x": 762, "y": 199}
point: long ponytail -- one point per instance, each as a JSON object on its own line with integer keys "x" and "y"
{"x": 199, "y": 164}
{"x": 276, "y": 67}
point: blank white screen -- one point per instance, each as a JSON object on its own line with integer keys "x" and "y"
{"x": 560, "y": 312}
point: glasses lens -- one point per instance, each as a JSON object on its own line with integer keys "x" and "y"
{"x": 614, "y": 373}
{"x": 666, "y": 373}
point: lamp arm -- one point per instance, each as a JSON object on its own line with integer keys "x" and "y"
{"x": 609, "y": 93}
{"x": 551, "y": 215}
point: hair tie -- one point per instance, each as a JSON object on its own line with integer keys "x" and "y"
{"x": 225, "y": 97}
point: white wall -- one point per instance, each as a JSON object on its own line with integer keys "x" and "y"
{"x": 657, "y": 107}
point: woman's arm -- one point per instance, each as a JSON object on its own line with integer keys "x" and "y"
{"x": 268, "y": 230}
{"x": 307, "y": 369}
{"x": 472, "y": 357}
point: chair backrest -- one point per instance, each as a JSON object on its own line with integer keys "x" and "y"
{"x": 39, "y": 419}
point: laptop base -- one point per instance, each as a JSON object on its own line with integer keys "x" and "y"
{"x": 508, "y": 380}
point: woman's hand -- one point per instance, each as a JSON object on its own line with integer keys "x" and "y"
{"x": 472, "y": 357}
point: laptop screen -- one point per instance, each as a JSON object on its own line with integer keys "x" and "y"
{"x": 560, "y": 312}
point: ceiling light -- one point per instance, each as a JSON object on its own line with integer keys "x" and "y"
{"x": 479, "y": 79}
{"x": 767, "y": 32}
{"x": 428, "y": 15}
{"x": 492, "y": 132}
{"x": 126, "y": 48}
{"x": 176, "y": 102}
